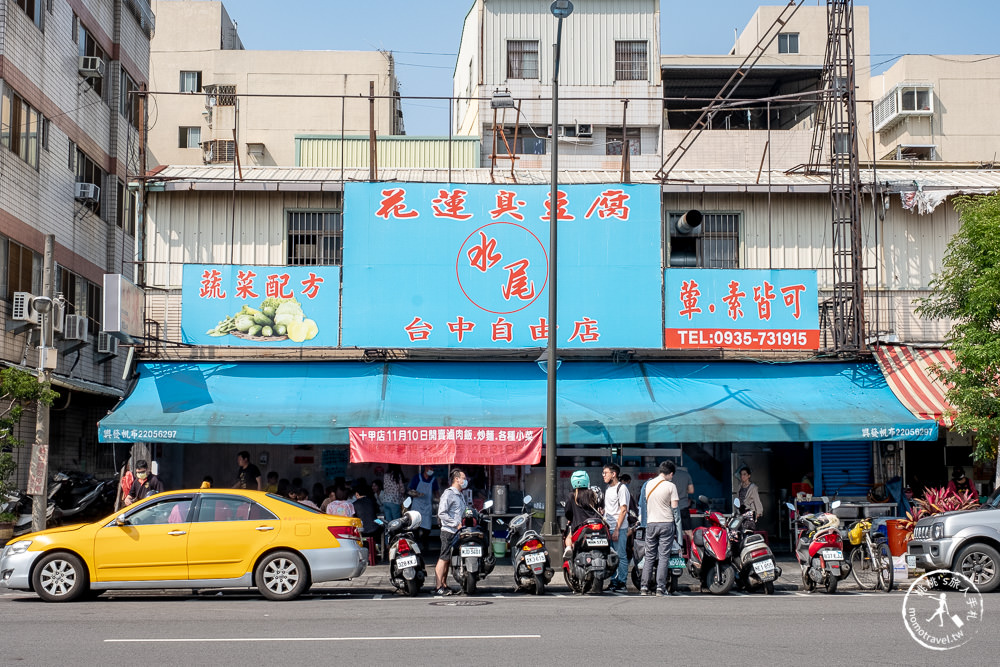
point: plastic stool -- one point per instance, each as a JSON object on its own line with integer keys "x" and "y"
{"x": 370, "y": 543}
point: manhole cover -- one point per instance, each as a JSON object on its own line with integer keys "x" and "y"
{"x": 460, "y": 603}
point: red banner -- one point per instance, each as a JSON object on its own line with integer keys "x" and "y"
{"x": 447, "y": 445}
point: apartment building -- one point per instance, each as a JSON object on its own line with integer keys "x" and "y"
{"x": 214, "y": 101}
{"x": 68, "y": 145}
{"x": 610, "y": 51}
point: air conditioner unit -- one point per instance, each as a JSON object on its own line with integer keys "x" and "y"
{"x": 584, "y": 130}
{"x": 88, "y": 192}
{"x": 106, "y": 343}
{"x": 21, "y": 310}
{"x": 92, "y": 67}
{"x": 58, "y": 316}
{"x": 562, "y": 132}
{"x": 76, "y": 328}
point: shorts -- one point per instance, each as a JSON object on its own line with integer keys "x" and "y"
{"x": 446, "y": 538}
{"x": 686, "y": 523}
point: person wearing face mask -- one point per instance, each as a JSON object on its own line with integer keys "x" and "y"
{"x": 451, "y": 509}
{"x": 423, "y": 489}
{"x": 144, "y": 485}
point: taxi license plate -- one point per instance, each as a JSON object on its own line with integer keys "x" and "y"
{"x": 832, "y": 554}
{"x": 763, "y": 566}
{"x": 677, "y": 563}
{"x": 406, "y": 561}
{"x": 531, "y": 559}
{"x": 469, "y": 552}
{"x": 597, "y": 541}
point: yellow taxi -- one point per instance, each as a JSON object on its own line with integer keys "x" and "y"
{"x": 207, "y": 538}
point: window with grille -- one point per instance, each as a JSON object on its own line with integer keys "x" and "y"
{"x": 190, "y": 82}
{"x": 221, "y": 95}
{"x": 24, "y": 270}
{"x": 218, "y": 151}
{"x": 615, "y": 141}
{"x": 630, "y": 61}
{"x": 714, "y": 245}
{"x": 530, "y": 140}
{"x": 788, "y": 42}
{"x": 87, "y": 171}
{"x": 315, "y": 238}
{"x": 189, "y": 137}
{"x": 522, "y": 59}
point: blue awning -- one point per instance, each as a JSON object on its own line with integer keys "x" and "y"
{"x": 598, "y": 402}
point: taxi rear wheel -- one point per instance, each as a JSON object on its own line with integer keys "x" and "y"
{"x": 60, "y": 577}
{"x": 282, "y": 575}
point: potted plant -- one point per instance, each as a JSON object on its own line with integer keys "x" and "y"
{"x": 18, "y": 388}
{"x": 937, "y": 501}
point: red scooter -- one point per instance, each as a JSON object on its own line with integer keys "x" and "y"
{"x": 711, "y": 560}
{"x": 820, "y": 550}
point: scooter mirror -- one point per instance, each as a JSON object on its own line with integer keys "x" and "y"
{"x": 790, "y": 506}
{"x": 527, "y": 499}
{"x": 407, "y": 502}
{"x": 736, "y": 502}
{"x": 488, "y": 504}
{"x": 703, "y": 499}
{"x": 835, "y": 504}
{"x": 500, "y": 522}
{"x": 825, "y": 499}
{"x": 379, "y": 521}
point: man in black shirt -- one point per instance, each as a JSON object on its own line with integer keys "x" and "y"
{"x": 144, "y": 484}
{"x": 247, "y": 475}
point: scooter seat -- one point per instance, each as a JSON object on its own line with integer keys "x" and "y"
{"x": 699, "y": 538}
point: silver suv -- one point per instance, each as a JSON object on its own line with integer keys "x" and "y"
{"x": 966, "y": 542}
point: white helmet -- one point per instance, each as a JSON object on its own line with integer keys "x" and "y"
{"x": 413, "y": 516}
{"x": 826, "y": 522}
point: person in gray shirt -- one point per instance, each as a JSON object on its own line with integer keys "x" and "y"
{"x": 451, "y": 509}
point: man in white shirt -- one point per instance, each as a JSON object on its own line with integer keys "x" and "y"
{"x": 616, "y": 500}
{"x": 661, "y": 506}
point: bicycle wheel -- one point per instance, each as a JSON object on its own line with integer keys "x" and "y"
{"x": 884, "y": 566}
{"x": 863, "y": 567}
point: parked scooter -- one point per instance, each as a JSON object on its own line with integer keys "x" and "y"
{"x": 20, "y": 504}
{"x": 711, "y": 560}
{"x": 820, "y": 550}
{"x": 676, "y": 564}
{"x": 472, "y": 558}
{"x": 532, "y": 569}
{"x": 591, "y": 560}
{"x": 406, "y": 564}
{"x": 755, "y": 564}
{"x": 81, "y": 497}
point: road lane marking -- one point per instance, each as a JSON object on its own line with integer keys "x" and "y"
{"x": 166, "y": 640}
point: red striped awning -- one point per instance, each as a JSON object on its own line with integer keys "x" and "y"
{"x": 911, "y": 374}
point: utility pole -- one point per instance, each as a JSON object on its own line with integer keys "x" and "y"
{"x": 38, "y": 476}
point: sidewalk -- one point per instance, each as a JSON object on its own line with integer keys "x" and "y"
{"x": 501, "y": 580}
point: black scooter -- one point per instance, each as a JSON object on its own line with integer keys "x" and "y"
{"x": 472, "y": 558}
{"x": 406, "y": 564}
{"x": 528, "y": 555}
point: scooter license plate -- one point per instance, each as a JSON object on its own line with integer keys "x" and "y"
{"x": 597, "y": 541}
{"x": 763, "y": 566}
{"x": 832, "y": 554}
{"x": 406, "y": 561}
{"x": 470, "y": 552}
{"x": 531, "y": 559}
{"x": 677, "y": 563}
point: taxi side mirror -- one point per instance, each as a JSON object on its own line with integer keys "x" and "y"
{"x": 120, "y": 520}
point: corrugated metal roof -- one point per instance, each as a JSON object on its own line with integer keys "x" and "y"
{"x": 220, "y": 177}
{"x": 393, "y": 152}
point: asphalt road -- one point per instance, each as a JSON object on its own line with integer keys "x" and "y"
{"x": 371, "y": 626}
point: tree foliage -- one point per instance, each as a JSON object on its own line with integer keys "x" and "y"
{"x": 967, "y": 291}
{"x": 18, "y": 389}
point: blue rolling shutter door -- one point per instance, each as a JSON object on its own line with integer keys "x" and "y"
{"x": 842, "y": 466}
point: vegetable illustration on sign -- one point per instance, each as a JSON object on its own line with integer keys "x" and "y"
{"x": 276, "y": 319}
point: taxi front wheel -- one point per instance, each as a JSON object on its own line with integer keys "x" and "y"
{"x": 60, "y": 577}
{"x": 282, "y": 576}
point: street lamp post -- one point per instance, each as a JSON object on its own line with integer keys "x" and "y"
{"x": 38, "y": 472}
{"x": 560, "y": 9}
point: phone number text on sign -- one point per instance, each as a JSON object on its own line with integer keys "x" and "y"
{"x": 742, "y": 339}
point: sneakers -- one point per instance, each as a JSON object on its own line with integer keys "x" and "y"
{"x": 616, "y": 587}
{"x": 444, "y": 590}
{"x": 660, "y": 592}
{"x": 644, "y": 591}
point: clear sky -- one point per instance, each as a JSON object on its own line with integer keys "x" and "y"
{"x": 424, "y": 34}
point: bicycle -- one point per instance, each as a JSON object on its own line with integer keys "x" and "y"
{"x": 871, "y": 560}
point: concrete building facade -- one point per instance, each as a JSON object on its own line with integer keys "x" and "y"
{"x": 211, "y": 95}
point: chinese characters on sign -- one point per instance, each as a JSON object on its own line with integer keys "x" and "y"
{"x": 446, "y": 445}
{"x": 741, "y": 309}
{"x": 468, "y": 266}
{"x": 260, "y": 305}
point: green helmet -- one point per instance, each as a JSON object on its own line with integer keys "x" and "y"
{"x": 580, "y": 479}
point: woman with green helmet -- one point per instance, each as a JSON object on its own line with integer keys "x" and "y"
{"x": 581, "y": 506}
